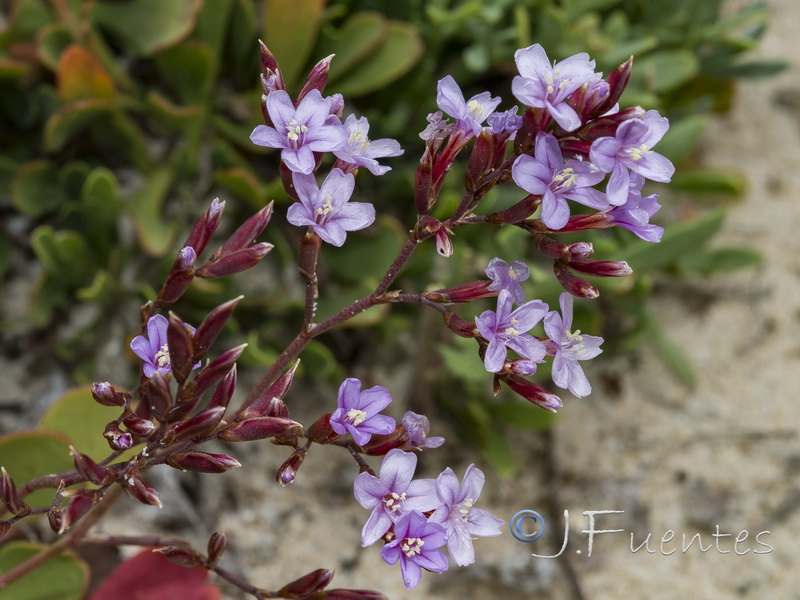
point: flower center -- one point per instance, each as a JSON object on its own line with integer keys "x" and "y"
{"x": 394, "y": 501}
{"x": 475, "y": 108}
{"x": 565, "y": 179}
{"x": 326, "y": 208}
{"x": 637, "y": 152}
{"x": 412, "y": 546}
{"x": 162, "y": 356}
{"x": 358, "y": 138}
{"x": 294, "y": 132}
{"x": 574, "y": 342}
{"x": 512, "y": 330}
{"x": 463, "y": 511}
{"x": 512, "y": 273}
{"x": 357, "y": 417}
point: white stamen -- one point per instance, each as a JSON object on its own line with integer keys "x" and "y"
{"x": 412, "y": 546}
{"x": 327, "y": 207}
{"x": 162, "y": 356}
{"x": 356, "y": 417}
{"x": 475, "y": 108}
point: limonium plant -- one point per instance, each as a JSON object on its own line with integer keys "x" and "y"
{"x": 576, "y": 161}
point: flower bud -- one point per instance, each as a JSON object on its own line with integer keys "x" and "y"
{"x": 444, "y": 245}
{"x": 321, "y": 431}
{"x": 246, "y": 234}
{"x": 205, "y": 227}
{"x": 466, "y": 292}
{"x": 534, "y": 120}
{"x": 577, "y": 286}
{"x": 224, "y": 391}
{"x": 481, "y": 160}
{"x": 157, "y": 395}
{"x": 259, "y": 428}
{"x": 516, "y": 213}
{"x": 105, "y": 394}
{"x": 216, "y": 547}
{"x": 235, "y": 262}
{"x": 607, "y": 126}
{"x": 534, "y": 393}
{"x": 601, "y": 268}
{"x": 306, "y": 585}
{"x": 142, "y": 491}
{"x": 209, "y": 329}
{"x": 522, "y": 367}
{"x": 213, "y": 372}
{"x": 139, "y": 427}
{"x": 265, "y": 404}
{"x": 81, "y": 501}
{"x": 89, "y": 469}
{"x": 116, "y": 438}
{"x": 198, "y": 426}
{"x": 5, "y": 526}
{"x": 10, "y": 497}
{"x": 179, "y": 277}
{"x": 288, "y": 470}
{"x": 460, "y": 326}
{"x": 203, "y": 462}
{"x": 186, "y": 557}
{"x": 617, "y": 82}
{"x": 55, "y": 519}
{"x": 180, "y": 340}
{"x": 342, "y": 594}
{"x": 423, "y": 179}
{"x": 317, "y": 78}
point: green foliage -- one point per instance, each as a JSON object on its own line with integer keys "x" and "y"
{"x": 64, "y": 577}
{"x": 31, "y": 454}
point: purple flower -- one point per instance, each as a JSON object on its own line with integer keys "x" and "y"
{"x": 362, "y": 152}
{"x": 417, "y": 427}
{"x": 504, "y": 329}
{"x": 508, "y": 277}
{"x": 546, "y": 175}
{"x": 153, "y": 349}
{"x": 470, "y": 114}
{"x": 543, "y": 85}
{"x": 630, "y": 149}
{"x": 416, "y": 546}
{"x": 301, "y": 131}
{"x": 358, "y": 411}
{"x": 635, "y": 214}
{"x": 437, "y": 129}
{"x": 326, "y": 209}
{"x": 507, "y": 121}
{"x": 569, "y": 349}
{"x": 460, "y": 519}
{"x": 393, "y": 494}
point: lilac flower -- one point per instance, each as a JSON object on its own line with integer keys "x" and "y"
{"x": 630, "y": 149}
{"x": 508, "y": 277}
{"x": 635, "y": 214}
{"x": 393, "y": 494}
{"x": 362, "y": 152}
{"x": 569, "y": 349}
{"x": 504, "y": 329}
{"x": 416, "y": 546}
{"x": 153, "y": 349}
{"x": 507, "y": 121}
{"x": 417, "y": 427}
{"x": 358, "y": 411}
{"x": 437, "y": 129}
{"x": 460, "y": 519}
{"x": 470, "y": 114}
{"x": 542, "y": 85}
{"x": 548, "y": 176}
{"x": 301, "y": 131}
{"x": 326, "y": 209}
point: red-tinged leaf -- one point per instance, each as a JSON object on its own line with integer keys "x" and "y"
{"x": 80, "y": 75}
{"x": 153, "y": 576}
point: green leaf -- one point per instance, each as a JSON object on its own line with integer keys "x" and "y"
{"x": 682, "y": 137}
{"x": 82, "y": 420}
{"x": 720, "y": 260}
{"x": 35, "y": 190}
{"x": 51, "y": 41}
{"x": 667, "y": 69}
{"x": 154, "y": 233}
{"x": 188, "y": 69}
{"x": 756, "y": 68}
{"x": 290, "y": 31}
{"x": 143, "y": 27}
{"x": 171, "y": 117}
{"x": 461, "y": 359}
{"x": 63, "y": 577}
{"x": 64, "y": 254}
{"x": 361, "y": 35}
{"x": 678, "y": 240}
{"x": 72, "y": 119}
{"x": 523, "y": 415}
{"x": 672, "y": 355}
{"x": 32, "y": 454}
{"x": 98, "y": 290}
{"x": 709, "y": 182}
{"x": 400, "y": 50}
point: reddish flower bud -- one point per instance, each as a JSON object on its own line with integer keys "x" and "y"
{"x": 235, "y": 262}
{"x": 380, "y": 445}
{"x": 198, "y": 426}
{"x": 204, "y": 227}
{"x": 461, "y": 327}
{"x": 265, "y": 404}
{"x": 216, "y": 547}
{"x": 602, "y": 268}
{"x": 423, "y": 180}
{"x": 481, "y": 160}
{"x": 259, "y": 428}
{"x": 288, "y": 470}
{"x": 139, "y": 427}
{"x": 533, "y": 393}
{"x": 157, "y": 395}
{"x": 534, "y": 120}
{"x": 577, "y": 286}
{"x": 185, "y": 557}
{"x": 268, "y": 63}
{"x": 617, "y": 82}
{"x": 89, "y": 469}
{"x": 180, "y": 340}
{"x": 224, "y": 391}
{"x": 306, "y": 585}
{"x": 607, "y": 126}
{"x": 10, "y": 497}
{"x": 81, "y": 501}
{"x": 317, "y": 78}
{"x": 179, "y": 277}
{"x": 142, "y": 491}
{"x": 209, "y": 329}
{"x": 466, "y": 292}
{"x": 516, "y": 213}
{"x": 246, "y": 234}
{"x": 342, "y": 594}
{"x": 55, "y": 519}
{"x": 444, "y": 244}
{"x": 203, "y": 462}
{"x": 116, "y": 438}
{"x": 105, "y": 394}
{"x": 213, "y": 372}
{"x": 321, "y": 431}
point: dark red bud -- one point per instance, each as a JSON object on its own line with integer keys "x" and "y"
{"x": 268, "y": 62}
{"x": 602, "y": 268}
{"x": 466, "y": 292}
{"x": 203, "y": 462}
{"x": 216, "y": 547}
{"x": 617, "y": 82}
{"x": 321, "y": 431}
{"x": 157, "y": 395}
{"x": 205, "y": 226}
{"x": 444, "y": 243}
{"x": 211, "y": 326}
{"x": 247, "y": 233}
{"x": 105, "y": 394}
{"x": 269, "y": 403}
{"x": 379, "y": 445}
{"x": 116, "y": 438}
{"x": 460, "y": 326}
{"x": 198, "y": 426}
{"x": 179, "y": 277}
{"x": 550, "y": 247}
{"x": 185, "y": 557}
{"x": 235, "y": 262}
{"x": 423, "y": 179}
{"x": 89, "y": 469}
{"x": 533, "y": 393}
{"x": 81, "y": 501}
{"x": 342, "y": 594}
{"x": 577, "y": 286}
{"x": 142, "y": 491}
{"x": 317, "y": 78}
{"x": 288, "y": 470}
{"x": 214, "y": 371}
{"x": 516, "y": 213}
{"x": 10, "y": 497}
{"x": 306, "y": 585}
{"x": 54, "y": 518}
{"x": 224, "y": 391}
{"x": 180, "y": 340}
{"x": 481, "y": 160}
{"x": 534, "y": 120}
{"x": 139, "y": 427}
{"x": 259, "y": 428}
